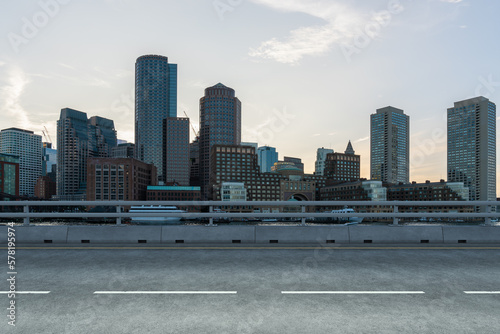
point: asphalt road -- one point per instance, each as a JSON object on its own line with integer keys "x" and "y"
{"x": 249, "y": 290}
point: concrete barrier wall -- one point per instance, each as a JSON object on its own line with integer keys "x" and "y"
{"x": 471, "y": 234}
{"x": 395, "y": 234}
{"x": 254, "y": 234}
{"x": 114, "y": 234}
{"x": 205, "y": 234}
{"x": 301, "y": 234}
{"x": 36, "y": 234}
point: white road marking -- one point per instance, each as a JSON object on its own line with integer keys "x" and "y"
{"x": 167, "y": 292}
{"x": 482, "y": 292}
{"x": 351, "y": 292}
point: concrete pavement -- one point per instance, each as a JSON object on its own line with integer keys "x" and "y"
{"x": 258, "y": 276}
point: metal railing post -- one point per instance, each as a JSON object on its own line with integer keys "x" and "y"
{"x": 303, "y": 218}
{"x": 118, "y": 219}
{"x": 487, "y": 220}
{"x": 395, "y": 220}
{"x": 26, "y": 220}
{"x": 211, "y": 219}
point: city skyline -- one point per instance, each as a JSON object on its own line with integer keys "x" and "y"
{"x": 413, "y": 55}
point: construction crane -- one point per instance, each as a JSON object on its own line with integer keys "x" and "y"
{"x": 46, "y": 134}
{"x": 196, "y": 134}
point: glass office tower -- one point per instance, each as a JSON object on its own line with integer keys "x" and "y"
{"x": 28, "y": 147}
{"x": 266, "y": 157}
{"x": 220, "y": 123}
{"x": 155, "y": 100}
{"x": 80, "y": 138}
{"x": 472, "y": 147}
{"x": 390, "y": 146}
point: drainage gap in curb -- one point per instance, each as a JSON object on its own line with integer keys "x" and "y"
{"x": 273, "y": 241}
{"x": 236, "y": 241}
{"x": 142, "y": 241}
{"x": 462, "y": 241}
{"x": 179, "y": 241}
{"x": 85, "y": 241}
{"x": 367, "y": 241}
{"x": 330, "y": 241}
{"x": 47, "y": 241}
{"x": 424, "y": 241}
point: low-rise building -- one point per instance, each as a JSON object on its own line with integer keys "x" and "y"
{"x": 45, "y": 188}
{"x": 236, "y": 163}
{"x": 430, "y": 191}
{"x": 119, "y": 179}
{"x": 175, "y": 192}
{"x": 233, "y": 191}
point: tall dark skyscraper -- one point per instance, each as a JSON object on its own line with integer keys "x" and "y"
{"x": 176, "y": 150}
{"x": 155, "y": 100}
{"x": 78, "y": 139}
{"x": 472, "y": 147}
{"x": 390, "y": 146}
{"x": 220, "y": 123}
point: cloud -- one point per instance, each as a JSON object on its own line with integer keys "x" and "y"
{"x": 341, "y": 23}
{"x": 67, "y": 66}
{"x": 451, "y": 1}
{"x": 362, "y": 139}
{"x": 11, "y": 93}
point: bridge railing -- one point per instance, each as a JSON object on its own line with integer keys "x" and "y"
{"x": 481, "y": 209}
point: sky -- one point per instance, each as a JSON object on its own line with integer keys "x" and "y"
{"x": 308, "y": 72}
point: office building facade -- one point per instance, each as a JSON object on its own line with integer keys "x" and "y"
{"x": 390, "y": 146}
{"x": 28, "y": 147}
{"x": 9, "y": 175}
{"x": 220, "y": 124}
{"x": 233, "y": 191}
{"x": 123, "y": 150}
{"x": 472, "y": 147}
{"x": 45, "y": 188}
{"x": 176, "y": 150}
{"x": 237, "y": 163}
{"x": 155, "y": 100}
{"x": 123, "y": 179}
{"x": 49, "y": 156}
{"x": 319, "y": 165}
{"x": 296, "y": 161}
{"x": 342, "y": 167}
{"x": 79, "y": 139}
{"x": 266, "y": 157}
{"x": 194, "y": 163}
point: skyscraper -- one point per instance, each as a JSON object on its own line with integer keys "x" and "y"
{"x": 155, "y": 100}
{"x": 28, "y": 147}
{"x": 266, "y": 157}
{"x": 320, "y": 160}
{"x": 176, "y": 150}
{"x": 49, "y": 159}
{"x": 79, "y": 138}
{"x": 194, "y": 162}
{"x": 390, "y": 146}
{"x": 220, "y": 123}
{"x": 472, "y": 147}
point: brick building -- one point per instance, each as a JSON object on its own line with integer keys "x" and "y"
{"x": 119, "y": 179}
